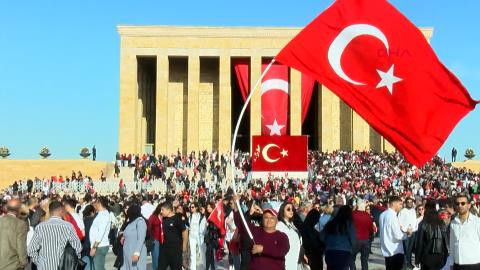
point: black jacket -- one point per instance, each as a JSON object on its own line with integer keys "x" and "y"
{"x": 431, "y": 245}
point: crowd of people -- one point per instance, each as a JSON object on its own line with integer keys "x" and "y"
{"x": 423, "y": 217}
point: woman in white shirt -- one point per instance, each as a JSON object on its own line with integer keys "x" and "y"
{"x": 285, "y": 225}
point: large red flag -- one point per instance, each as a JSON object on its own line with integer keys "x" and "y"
{"x": 217, "y": 217}
{"x": 380, "y": 64}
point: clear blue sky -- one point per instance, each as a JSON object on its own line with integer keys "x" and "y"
{"x": 59, "y": 61}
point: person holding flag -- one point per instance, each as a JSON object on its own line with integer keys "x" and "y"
{"x": 270, "y": 246}
{"x": 213, "y": 232}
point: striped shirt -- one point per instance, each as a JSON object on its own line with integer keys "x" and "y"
{"x": 49, "y": 241}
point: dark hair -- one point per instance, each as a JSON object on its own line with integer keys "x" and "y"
{"x": 461, "y": 195}
{"x": 70, "y": 202}
{"x": 393, "y": 199}
{"x": 312, "y": 218}
{"x": 103, "y": 201}
{"x": 167, "y": 205}
{"x": 88, "y": 211}
{"x": 281, "y": 211}
{"x": 431, "y": 215}
{"x": 54, "y": 205}
{"x": 340, "y": 222}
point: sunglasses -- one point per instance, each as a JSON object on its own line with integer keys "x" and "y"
{"x": 461, "y": 203}
{"x": 288, "y": 209}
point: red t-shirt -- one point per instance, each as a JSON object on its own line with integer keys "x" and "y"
{"x": 363, "y": 224}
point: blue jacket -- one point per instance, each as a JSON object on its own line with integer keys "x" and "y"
{"x": 342, "y": 242}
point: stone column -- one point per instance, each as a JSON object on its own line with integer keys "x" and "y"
{"x": 361, "y": 133}
{"x": 225, "y": 105}
{"x": 256, "y": 102}
{"x": 387, "y": 146}
{"x": 161, "y": 111}
{"x": 295, "y": 102}
{"x": 128, "y": 103}
{"x": 330, "y": 120}
{"x": 193, "y": 84}
{"x": 139, "y": 108}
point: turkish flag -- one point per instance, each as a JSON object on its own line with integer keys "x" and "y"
{"x": 275, "y": 93}
{"x": 217, "y": 217}
{"x": 381, "y": 65}
{"x": 279, "y": 153}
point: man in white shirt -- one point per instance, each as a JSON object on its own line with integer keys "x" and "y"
{"x": 391, "y": 236}
{"x": 408, "y": 219}
{"x": 465, "y": 236}
{"x": 99, "y": 234}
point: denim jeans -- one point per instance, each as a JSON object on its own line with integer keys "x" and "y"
{"x": 155, "y": 254}
{"x": 362, "y": 247}
{"x": 86, "y": 259}
{"x": 408, "y": 248}
{"x": 99, "y": 258}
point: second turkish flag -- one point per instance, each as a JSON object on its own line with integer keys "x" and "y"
{"x": 279, "y": 153}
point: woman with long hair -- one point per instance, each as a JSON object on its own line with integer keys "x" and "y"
{"x": 311, "y": 240}
{"x": 431, "y": 245}
{"x": 339, "y": 237}
{"x": 195, "y": 234}
{"x": 134, "y": 249}
{"x": 212, "y": 236}
{"x": 285, "y": 225}
{"x": 155, "y": 229}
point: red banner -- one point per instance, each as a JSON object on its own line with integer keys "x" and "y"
{"x": 279, "y": 153}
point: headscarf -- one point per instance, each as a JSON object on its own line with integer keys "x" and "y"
{"x": 133, "y": 212}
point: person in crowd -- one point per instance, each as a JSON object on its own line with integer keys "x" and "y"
{"x": 270, "y": 246}
{"x": 156, "y": 231}
{"x": 363, "y": 230}
{"x": 99, "y": 233}
{"x": 464, "y": 236}
{"x": 88, "y": 217}
{"x": 431, "y": 244}
{"x": 285, "y": 225}
{"x": 408, "y": 220}
{"x": 33, "y": 205}
{"x": 311, "y": 240}
{"x": 74, "y": 218}
{"x": 339, "y": 238}
{"x": 13, "y": 238}
{"x": 175, "y": 239}
{"x": 51, "y": 237}
{"x": 134, "y": 249}
{"x": 392, "y": 236}
{"x": 326, "y": 215}
{"x": 94, "y": 153}
{"x": 212, "y": 236}
{"x": 375, "y": 228}
{"x": 147, "y": 206}
{"x": 196, "y": 231}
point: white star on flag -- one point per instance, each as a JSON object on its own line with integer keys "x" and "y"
{"x": 388, "y": 79}
{"x": 284, "y": 153}
{"x": 275, "y": 128}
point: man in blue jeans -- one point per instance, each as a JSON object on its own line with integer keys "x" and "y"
{"x": 408, "y": 220}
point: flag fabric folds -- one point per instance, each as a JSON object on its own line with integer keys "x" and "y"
{"x": 382, "y": 66}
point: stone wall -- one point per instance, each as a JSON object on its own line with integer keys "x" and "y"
{"x": 11, "y": 170}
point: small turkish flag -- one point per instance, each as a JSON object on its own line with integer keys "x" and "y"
{"x": 381, "y": 65}
{"x": 217, "y": 217}
{"x": 279, "y": 153}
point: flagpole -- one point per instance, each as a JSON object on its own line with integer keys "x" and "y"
{"x": 232, "y": 161}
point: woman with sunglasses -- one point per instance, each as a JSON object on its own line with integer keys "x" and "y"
{"x": 285, "y": 225}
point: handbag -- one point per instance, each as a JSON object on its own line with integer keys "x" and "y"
{"x": 70, "y": 260}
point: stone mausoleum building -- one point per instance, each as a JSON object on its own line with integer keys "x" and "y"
{"x": 178, "y": 91}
